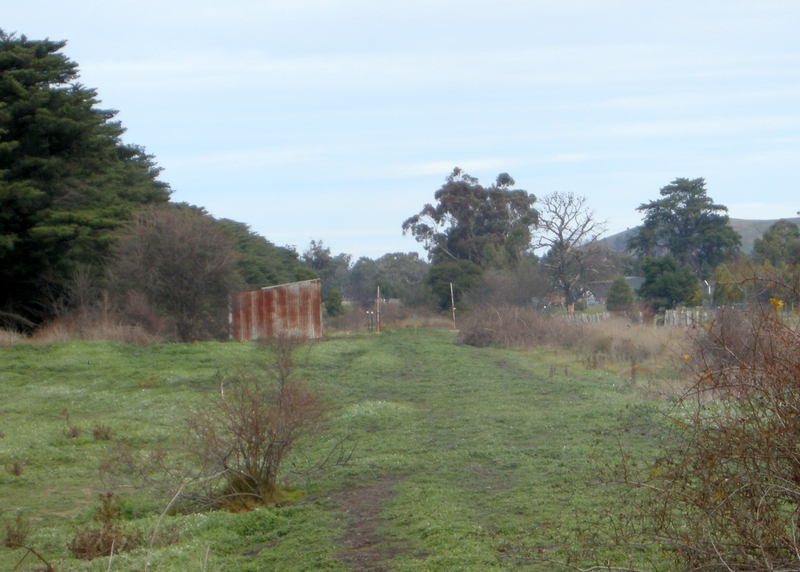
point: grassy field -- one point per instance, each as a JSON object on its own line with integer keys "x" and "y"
{"x": 463, "y": 455}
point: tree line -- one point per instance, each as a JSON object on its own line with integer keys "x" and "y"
{"x": 85, "y": 221}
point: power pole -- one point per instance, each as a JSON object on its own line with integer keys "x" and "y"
{"x": 453, "y": 304}
{"x": 378, "y": 311}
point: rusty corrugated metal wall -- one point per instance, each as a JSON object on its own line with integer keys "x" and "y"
{"x": 288, "y": 309}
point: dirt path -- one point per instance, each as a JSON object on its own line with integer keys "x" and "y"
{"x": 365, "y": 549}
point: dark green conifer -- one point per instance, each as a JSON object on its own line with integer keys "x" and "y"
{"x": 67, "y": 181}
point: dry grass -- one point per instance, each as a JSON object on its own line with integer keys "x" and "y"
{"x": 17, "y": 532}
{"x": 616, "y": 340}
{"x": 516, "y": 327}
{"x": 61, "y": 331}
{"x": 9, "y": 337}
{"x": 621, "y": 340}
{"x": 90, "y": 542}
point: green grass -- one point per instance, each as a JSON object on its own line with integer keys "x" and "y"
{"x": 482, "y": 448}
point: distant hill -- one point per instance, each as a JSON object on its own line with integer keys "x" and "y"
{"x": 749, "y": 230}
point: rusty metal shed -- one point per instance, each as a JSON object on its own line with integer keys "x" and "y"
{"x": 287, "y": 309}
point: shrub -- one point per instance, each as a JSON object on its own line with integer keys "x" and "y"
{"x": 237, "y": 442}
{"x": 724, "y": 492}
{"x": 102, "y": 432}
{"x": 620, "y": 296}
{"x": 90, "y": 543}
{"x": 17, "y": 532}
{"x": 731, "y": 484}
{"x": 245, "y": 434}
{"x": 333, "y": 303}
{"x": 515, "y": 327}
{"x": 16, "y": 468}
{"x": 181, "y": 264}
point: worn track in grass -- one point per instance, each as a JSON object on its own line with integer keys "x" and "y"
{"x": 366, "y": 550}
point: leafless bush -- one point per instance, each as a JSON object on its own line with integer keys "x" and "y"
{"x": 237, "y": 442}
{"x": 102, "y": 432}
{"x": 90, "y": 543}
{"x": 260, "y": 415}
{"x": 137, "y": 312}
{"x": 733, "y": 335}
{"x": 727, "y": 494}
{"x": 516, "y": 327}
{"x": 182, "y": 264}
{"x": 17, "y": 532}
{"x": 723, "y": 492}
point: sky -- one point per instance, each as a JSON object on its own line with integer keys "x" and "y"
{"x": 339, "y": 119}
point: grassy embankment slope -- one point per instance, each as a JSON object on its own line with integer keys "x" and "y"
{"x": 461, "y": 451}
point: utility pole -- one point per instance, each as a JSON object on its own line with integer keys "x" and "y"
{"x": 378, "y": 311}
{"x": 453, "y": 304}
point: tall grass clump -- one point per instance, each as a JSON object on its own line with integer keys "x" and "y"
{"x": 10, "y": 337}
{"x": 619, "y": 339}
{"x": 74, "y": 328}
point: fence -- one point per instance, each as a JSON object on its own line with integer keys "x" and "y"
{"x": 687, "y": 318}
{"x": 588, "y": 318}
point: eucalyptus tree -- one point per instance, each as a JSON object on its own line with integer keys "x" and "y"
{"x": 779, "y": 245}
{"x": 487, "y": 226}
{"x": 471, "y": 229}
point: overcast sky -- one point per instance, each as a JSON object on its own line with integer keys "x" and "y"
{"x": 339, "y": 119}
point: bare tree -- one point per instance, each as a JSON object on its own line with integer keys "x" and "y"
{"x": 182, "y": 263}
{"x": 569, "y": 231}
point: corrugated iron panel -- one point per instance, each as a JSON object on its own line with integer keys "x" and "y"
{"x": 288, "y": 309}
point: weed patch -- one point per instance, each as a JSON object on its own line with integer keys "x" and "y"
{"x": 90, "y": 542}
{"x": 102, "y": 432}
{"x": 17, "y": 532}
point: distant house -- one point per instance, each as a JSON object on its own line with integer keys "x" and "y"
{"x": 293, "y": 309}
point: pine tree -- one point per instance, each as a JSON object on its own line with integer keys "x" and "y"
{"x": 687, "y": 224}
{"x": 67, "y": 181}
{"x": 620, "y": 296}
